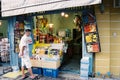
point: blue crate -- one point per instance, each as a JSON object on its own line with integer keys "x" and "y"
{"x": 36, "y": 70}
{"x": 50, "y": 72}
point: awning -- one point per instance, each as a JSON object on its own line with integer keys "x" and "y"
{"x": 18, "y": 7}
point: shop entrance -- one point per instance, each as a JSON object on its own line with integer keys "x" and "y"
{"x": 53, "y": 30}
{"x": 71, "y": 60}
{"x": 65, "y": 27}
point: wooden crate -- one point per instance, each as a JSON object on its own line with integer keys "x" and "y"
{"x": 51, "y": 64}
{"x": 36, "y": 63}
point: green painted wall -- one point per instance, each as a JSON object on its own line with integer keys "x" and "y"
{"x": 62, "y": 23}
{"x": 4, "y": 27}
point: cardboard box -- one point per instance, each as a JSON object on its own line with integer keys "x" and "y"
{"x": 51, "y": 64}
{"x": 36, "y": 63}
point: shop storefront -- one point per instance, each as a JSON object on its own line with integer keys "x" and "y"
{"x": 4, "y": 44}
{"x": 54, "y": 35}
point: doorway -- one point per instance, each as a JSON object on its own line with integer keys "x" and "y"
{"x": 71, "y": 60}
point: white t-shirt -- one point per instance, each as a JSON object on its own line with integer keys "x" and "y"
{"x": 24, "y": 42}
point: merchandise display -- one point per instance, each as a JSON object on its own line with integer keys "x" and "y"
{"x": 93, "y": 48}
{"x": 90, "y": 28}
{"x": 47, "y": 55}
{"x": 47, "y": 48}
{"x": 4, "y": 50}
{"x": 47, "y": 52}
{"x": 18, "y": 33}
{"x": 91, "y": 33}
{"x": 91, "y": 37}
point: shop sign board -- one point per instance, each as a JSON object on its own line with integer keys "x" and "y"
{"x": 17, "y": 7}
{"x": 91, "y": 33}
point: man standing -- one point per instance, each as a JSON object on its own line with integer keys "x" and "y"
{"x": 24, "y": 53}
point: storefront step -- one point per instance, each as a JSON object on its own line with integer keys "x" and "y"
{"x": 69, "y": 76}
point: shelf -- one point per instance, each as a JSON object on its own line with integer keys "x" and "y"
{"x": 17, "y": 36}
{"x": 93, "y": 42}
{"x": 91, "y": 33}
{"x": 19, "y": 30}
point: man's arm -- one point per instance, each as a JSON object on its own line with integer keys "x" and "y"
{"x": 22, "y": 51}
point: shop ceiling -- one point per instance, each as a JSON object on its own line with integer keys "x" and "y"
{"x": 19, "y": 7}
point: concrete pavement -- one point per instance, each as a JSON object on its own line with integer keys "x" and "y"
{"x": 62, "y": 76}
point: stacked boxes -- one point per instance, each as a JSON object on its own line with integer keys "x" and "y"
{"x": 49, "y": 68}
{"x": 50, "y": 72}
{"x": 36, "y": 63}
{"x": 36, "y": 66}
{"x": 55, "y": 64}
{"x": 37, "y": 70}
{"x": 51, "y": 64}
{"x": 47, "y": 57}
{"x": 84, "y": 70}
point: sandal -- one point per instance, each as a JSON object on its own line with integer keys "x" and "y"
{"x": 24, "y": 77}
{"x": 32, "y": 77}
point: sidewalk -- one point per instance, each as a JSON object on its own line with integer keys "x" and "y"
{"x": 62, "y": 76}
{"x": 59, "y": 78}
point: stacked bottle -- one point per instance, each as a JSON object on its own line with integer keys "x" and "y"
{"x": 84, "y": 68}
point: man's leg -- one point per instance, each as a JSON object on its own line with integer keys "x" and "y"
{"x": 31, "y": 73}
{"x": 22, "y": 68}
{"x": 28, "y": 66}
{"x": 23, "y": 73}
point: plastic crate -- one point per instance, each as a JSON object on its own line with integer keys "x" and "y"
{"x": 50, "y": 72}
{"x": 36, "y": 70}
